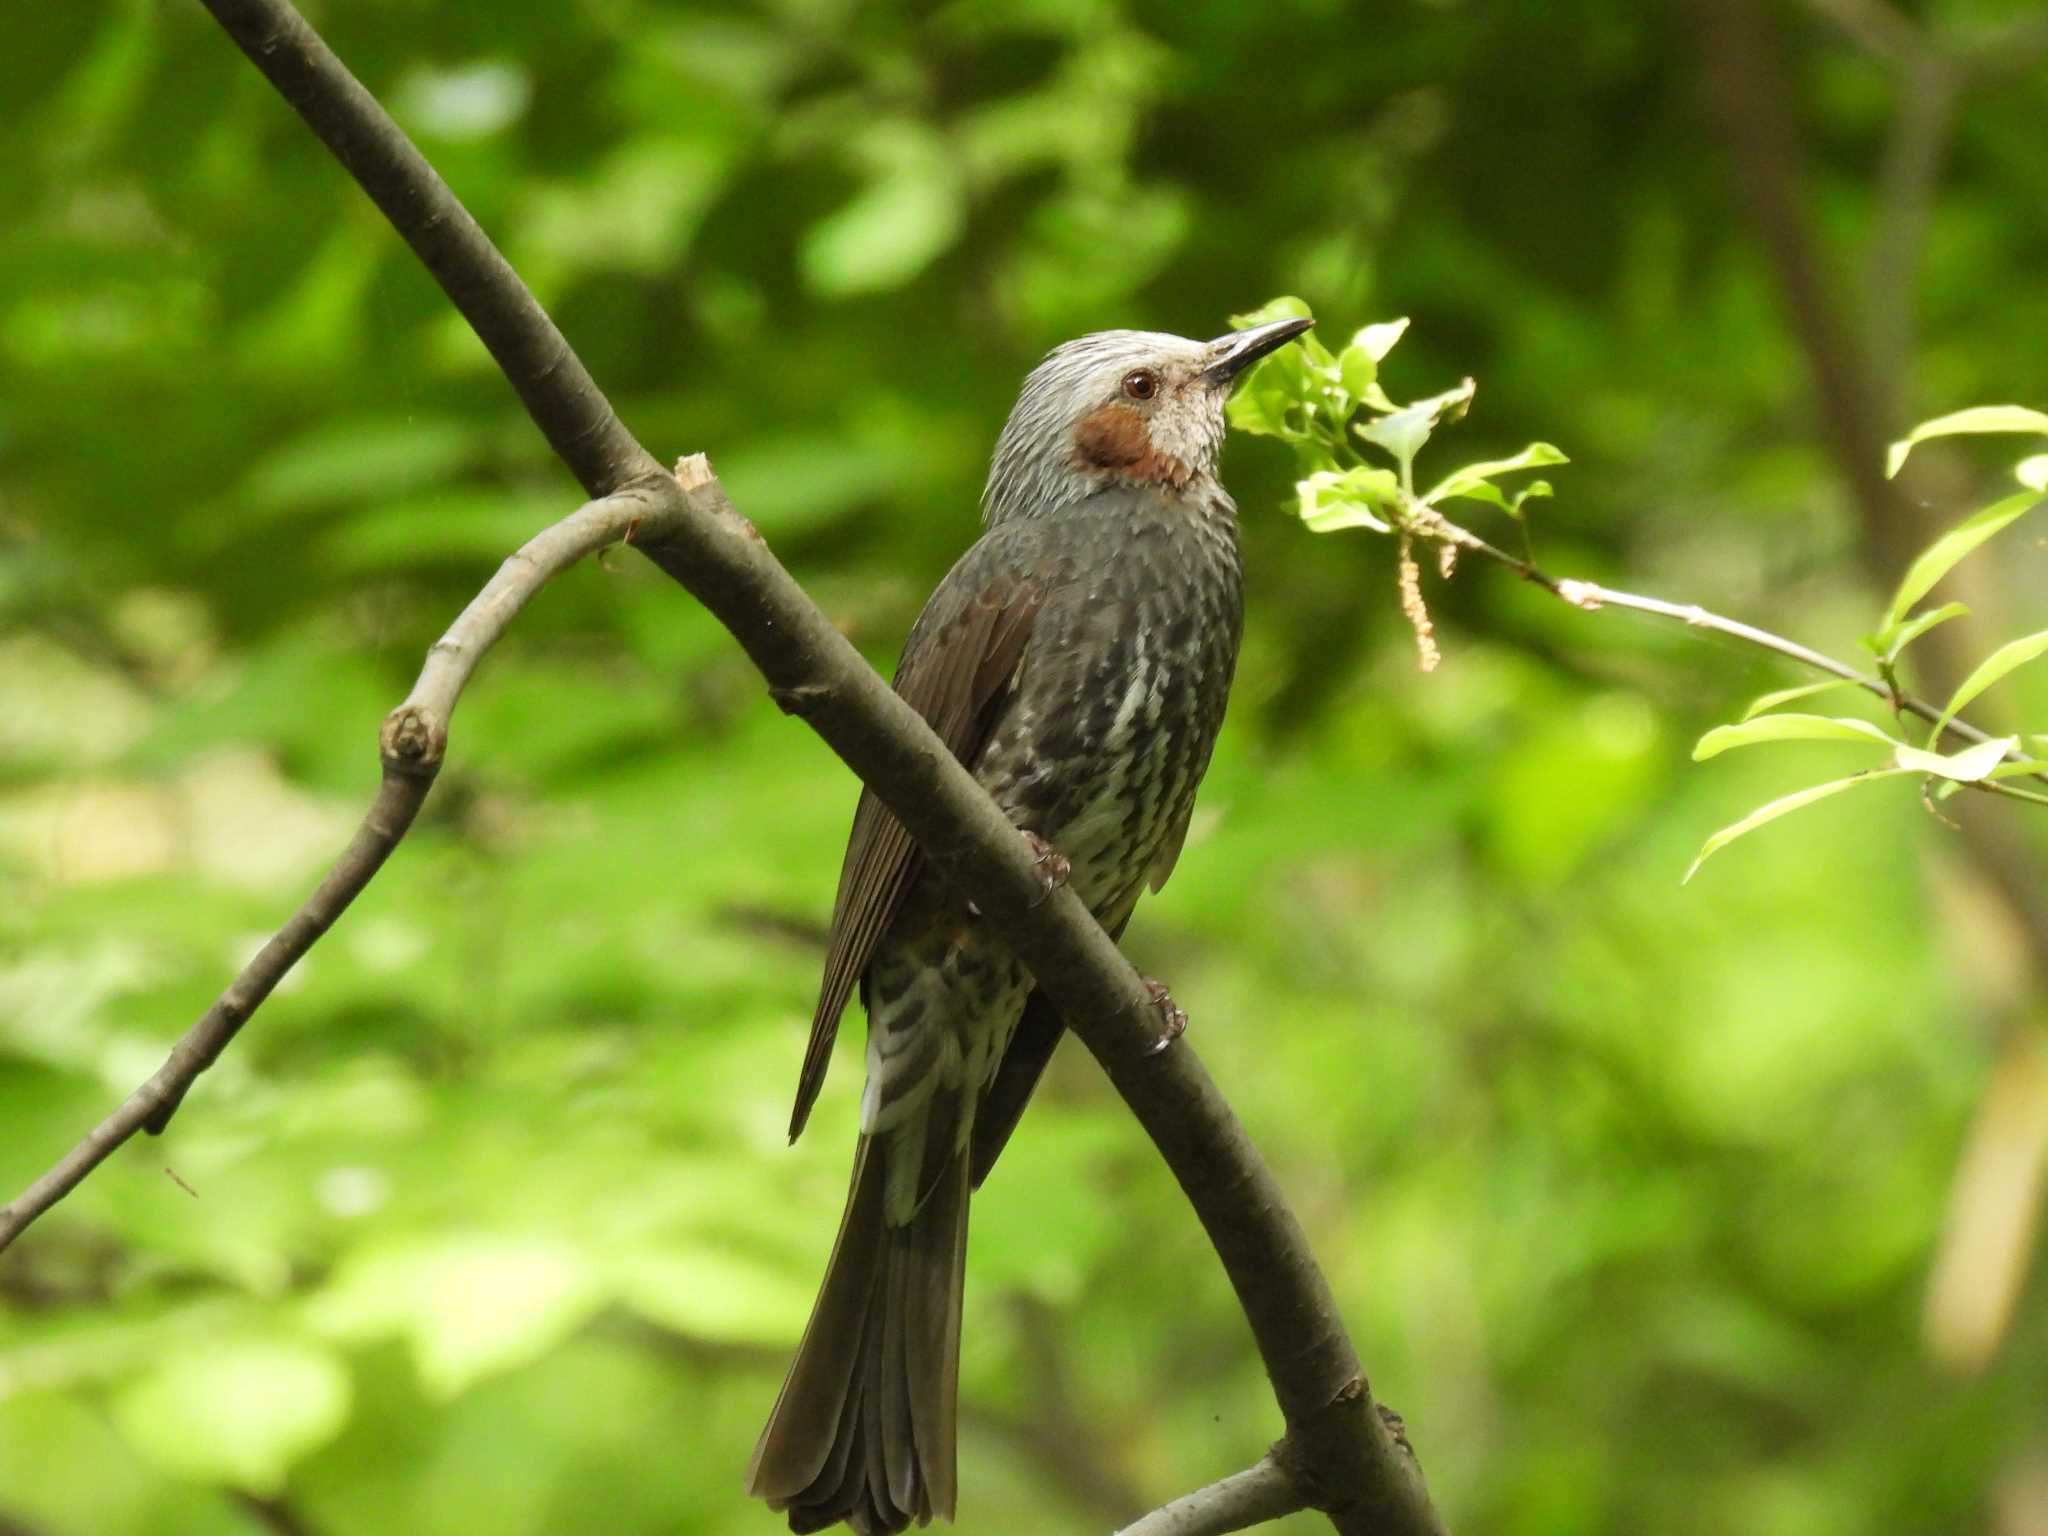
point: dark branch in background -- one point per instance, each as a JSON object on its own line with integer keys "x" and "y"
{"x": 1751, "y": 108}
{"x": 1864, "y": 394}
{"x": 1343, "y": 1456}
{"x": 1934, "y": 77}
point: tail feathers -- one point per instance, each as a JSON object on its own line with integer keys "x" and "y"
{"x": 864, "y": 1428}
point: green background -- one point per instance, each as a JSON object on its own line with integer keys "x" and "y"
{"x": 1631, "y": 1192}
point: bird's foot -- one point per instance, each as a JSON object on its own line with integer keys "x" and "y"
{"x": 1053, "y": 866}
{"x": 1173, "y": 1019}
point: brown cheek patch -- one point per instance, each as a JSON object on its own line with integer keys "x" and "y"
{"x": 1114, "y": 439}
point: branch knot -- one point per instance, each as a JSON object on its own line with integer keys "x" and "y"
{"x": 412, "y": 741}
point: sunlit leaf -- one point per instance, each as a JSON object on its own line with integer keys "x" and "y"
{"x": 1782, "y": 806}
{"x": 470, "y": 1305}
{"x": 1376, "y": 341}
{"x": 710, "y": 1293}
{"x": 1461, "y": 482}
{"x": 1404, "y": 432}
{"x": 2032, "y": 472}
{"x": 1351, "y": 498}
{"x": 912, "y": 210}
{"x": 1357, "y": 372}
{"x": 1275, "y": 398}
{"x": 2012, "y": 654}
{"x": 237, "y": 1412}
{"x": 1891, "y": 641}
{"x": 1788, "y": 727}
{"x": 1285, "y": 307}
{"x": 1964, "y": 767}
{"x": 1771, "y": 701}
{"x": 1978, "y": 418}
{"x": 1942, "y": 555}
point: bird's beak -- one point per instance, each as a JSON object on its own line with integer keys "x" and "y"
{"x": 1230, "y": 354}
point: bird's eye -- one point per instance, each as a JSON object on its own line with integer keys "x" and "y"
{"x": 1141, "y": 384}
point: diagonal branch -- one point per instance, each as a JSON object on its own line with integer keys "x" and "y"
{"x": 1359, "y": 1472}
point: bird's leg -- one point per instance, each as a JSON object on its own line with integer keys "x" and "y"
{"x": 1053, "y": 869}
{"x": 1173, "y": 1020}
{"x": 1053, "y": 866}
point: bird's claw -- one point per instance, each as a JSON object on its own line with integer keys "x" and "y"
{"x": 1053, "y": 866}
{"x": 1173, "y": 1019}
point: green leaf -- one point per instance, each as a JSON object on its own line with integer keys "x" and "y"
{"x": 1941, "y": 556}
{"x": 1463, "y": 482}
{"x": 904, "y": 219}
{"x": 1771, "y": 701}
{"x": 360, "y": 459}
{"x": 710, "y": 1293}
{"x": 1964, "y": 767}
{"x": 2012, "y": 654}
{"x": 1893, "y": 640}
{"x": 470, "y": 1305}
{"x": 1404, "y": 432}
{"x": 1285, "y": 307}
{"x": 1788, "y": 727}
{"x": 1358, "y": 371}
{"x": 1260, "y": 406}
{"x": 1376, "y": 341}
{"x": 1978, "y": 418}
{"x": 238, "y": 1411}
{"x": 1277, "y": 397}
{"x": 2032, "y": 472}
{"x": 1351, "y": 498}
{"x": 1358, "y": 365}
{"x": 1783, "y": 806}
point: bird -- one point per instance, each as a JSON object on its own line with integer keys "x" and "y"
{"x": 1077, "y": 659}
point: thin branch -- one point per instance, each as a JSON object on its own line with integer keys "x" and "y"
{"x": 1236, "y": 1503}
{"x": 1364, "y": 1477}
{"x": 1591, "y": 595}
{"x": 410, "y": 746}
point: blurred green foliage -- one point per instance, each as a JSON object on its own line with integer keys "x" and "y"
{"x": 1631, "y": 1193}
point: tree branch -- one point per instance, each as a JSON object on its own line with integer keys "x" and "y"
{"x": 410, "y": 746}
{"x": 1260, "y": 1493}
{"x": 1360, "y": 1474}
{"x": 1591, "y": 595}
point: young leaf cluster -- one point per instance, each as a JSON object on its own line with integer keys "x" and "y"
{"x": 1331, "y": 408}
{"x": 1357, "y": 447}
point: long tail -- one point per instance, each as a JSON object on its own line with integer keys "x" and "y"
{"x": 864, "y": 1429}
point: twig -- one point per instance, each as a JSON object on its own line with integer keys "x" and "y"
{"x": 411, "y": 744}
{"x": 1244, "y": 1499}
{"x": 1366, "y": 1479}
{"x": 1591, "y": 595}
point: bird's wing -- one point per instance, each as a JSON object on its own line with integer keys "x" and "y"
{"x": 957, "y": 671}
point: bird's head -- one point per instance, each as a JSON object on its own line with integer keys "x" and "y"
{"x": 1120, "y": 408}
